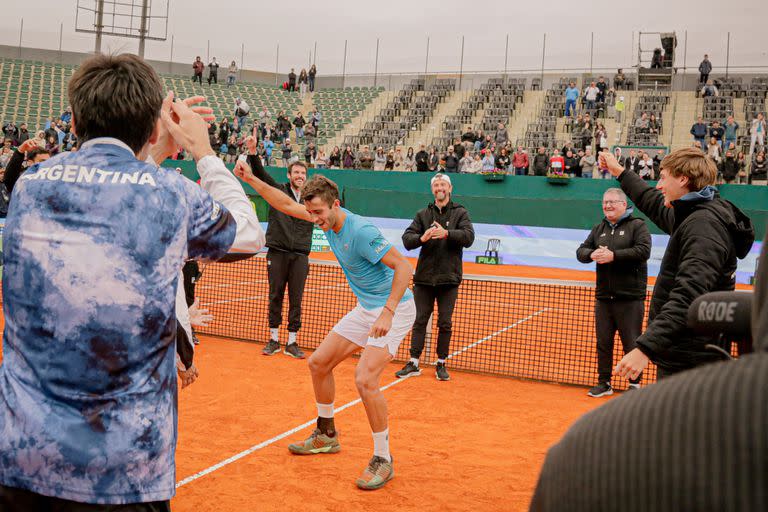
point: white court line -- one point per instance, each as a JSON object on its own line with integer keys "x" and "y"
{"x": 230, "y": 285}
{"x": 500, "y": 331}
{"x": 268, "y": 442}
{"x": 298, "y": 428}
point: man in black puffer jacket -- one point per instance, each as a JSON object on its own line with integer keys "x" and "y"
{"x": 442, "y": 230}
{"x": 289, "y": 241}
{"x": 621, "y": 246}
{"x": 707, "y": 235}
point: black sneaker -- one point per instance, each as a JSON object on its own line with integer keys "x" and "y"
{"x": 602, "y": 389}
{"x": 194, "y": 338}
{"x": 293, "y": 350}
{"x": 272, "y": 347}
{"x": 441, "y": 373}
{"x": 409, "y": 370}
{"x": 633, "y": 386}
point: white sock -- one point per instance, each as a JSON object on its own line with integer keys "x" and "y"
{"x": 291, "y": 337}
{"x": 325, "y": 410}
{"x": 274, "y": 334}
{"x": 381, "y": 444}
{"x": 415, "y": 361}
{"x": 441, "y": 361}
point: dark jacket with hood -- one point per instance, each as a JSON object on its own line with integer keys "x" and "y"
{"x": 284, "y": 233}
{"x": 440, "y": 261}
{"x": 707, "y": 235}
{"x": 626, "y": 277}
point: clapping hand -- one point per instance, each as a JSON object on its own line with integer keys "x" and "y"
{"x": 186, "y": 125}
{"x": 602, "y": 255}
{"x": 439, "y": 232}
{"x": 250, "y": 143}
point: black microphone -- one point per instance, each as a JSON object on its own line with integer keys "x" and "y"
{"x": 726, "y": 316}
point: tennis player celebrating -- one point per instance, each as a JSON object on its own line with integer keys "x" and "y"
{"x": 378, "y": 275}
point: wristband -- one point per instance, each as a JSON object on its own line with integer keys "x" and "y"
{"x": 389, "y": 309}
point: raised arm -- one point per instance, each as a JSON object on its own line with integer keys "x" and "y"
{"x": 256, "y": 166}
{"x": 647, "y": 199}
{"x": 275, "y": 197}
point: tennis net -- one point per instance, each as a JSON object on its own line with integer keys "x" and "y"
{"x": 527, "y": 328}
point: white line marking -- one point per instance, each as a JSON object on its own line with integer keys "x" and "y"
{"x": 266, "y": 295}
{"x": 500, "y": 331}
{"x": 292, "y": 431}
{"x": 268, "y": 442}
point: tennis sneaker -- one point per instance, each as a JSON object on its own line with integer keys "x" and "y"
{"x": 272, "y": 347}
{"x": 602, "y": 389}
{"x": 293, "y": 350}
{"x": 409, "y": 370}
{"x": 379, "y": 472}
{"x": 315, "y": 444}
{"x": 441, "y": 373}
{"x": 633, "y": 386}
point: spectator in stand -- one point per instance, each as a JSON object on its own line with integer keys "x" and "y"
{"x": 265, "y": 116}
{"x": 572, "y": 164}
{"x": 321, "y": 162}
{"x": 586, "y": 134}
{"x": 741, "y": 159}
{"x": 601, "y": 137}
{"x": 620, "y": 245}
{"x": 653, "y": 125}
{"x": 657, "y": 162}
{"x": 409, "y": 162}
{"x": 232, "y": 149}
{"x": 641, "y": 124}
{"x": 422, "y": 159}
{"x": 303, "y": 82}
{"x": 465, "y": 163}
{"x": 451, "y": 161}
{"x": 469, "y": 136}
{"x": 489, "y": 163}
{"x": 213, "y": 71}
{"x": 311, "y": 75}
{"x": 241, "y": 111}
{"x": 479, "y": 141}
{"x": 434, "y": 159}
{"x": 540, "y": 162}
{"x": 757, "y": 175}
{"x": 477, "y": 164}
{"x": 729, "y": 167}
{"x": 709, "y": 89}
{"x": 299, "y": 122}
{"x": 458, "y": 148}
{"x": 705, "y": 68}
{"x": 602, "y": 87}
{"x": 587, "y": 164}
{"x": 23, "y": 134}
{"x": 556, "y": 163}
{"x": 590, "y": 96}
{"x": 632, "y": 162}
{"x": 269, "y": 146}
{"x": 310, "y": 154}
{"x": 197, "y": 69}
{"x": 379, "y": 159}
{"x": 11, "y": 131}
{"x": 231, "y": 74}
{"x": 315, "y": 119}
{"x": 757, "y": 133}
{"x": 397, "y": 163}
{"x": 699, "y": 131}
{"x": 730, "y": 131}
{"x": 501, "y": 136}
{"x": 365, "y": 158}
{"x": 646, "y": 166}
{"x": 717, "y": 132}
{"x": 66, "y": 116}
{"x": 334, "y": 160}
{"x": 52, "y": 146}
{"x": 287, "y": 153}
{"x": 619, "y": 80}
{"x": 571, "y": 96}
{"x": 292, "y": 81}
{"x": 503, "y": 160}
{"x": 620, "y": 106}
{"x": 520, "y": 161}
{"x": 348, "y": 158}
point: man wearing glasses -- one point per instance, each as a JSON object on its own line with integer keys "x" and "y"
{"x": 621, "y": 246}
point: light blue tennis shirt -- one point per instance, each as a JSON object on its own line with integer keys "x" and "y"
{"x": 359, "y": 248}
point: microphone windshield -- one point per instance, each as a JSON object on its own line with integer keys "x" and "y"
{"x": 727, "y": 313}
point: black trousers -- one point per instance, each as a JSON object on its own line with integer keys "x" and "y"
{"x": 291, "y": 269}
{"x": 20, "y": 500}
{"x": 425, "y": 296}
{"x": 191, "y": 272}
{"x": 197, "y": 77}
{"x": 703, "y": 77}
{"x": 214, "y": 77}
{"x": 626, "y": 316}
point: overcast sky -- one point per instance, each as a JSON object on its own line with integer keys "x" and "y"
{"x": 403, "y": 26}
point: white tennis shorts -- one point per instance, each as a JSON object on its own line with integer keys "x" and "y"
{"x": 356, "y": 325}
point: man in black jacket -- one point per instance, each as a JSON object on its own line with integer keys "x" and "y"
{"x": 632, "y": 162}
{"x": 707, "y": 235}
{"x": 422, "y": 159}
{"x": 621, "y": 246}
{"x": 442, "y": 230}
{"x": 289, "y": 241}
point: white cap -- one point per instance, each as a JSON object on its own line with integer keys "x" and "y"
{"x": 440, "y": 176}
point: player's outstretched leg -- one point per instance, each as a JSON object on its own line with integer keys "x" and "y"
{"x": 325, "y": 438}
{"x": 380, "y": 469}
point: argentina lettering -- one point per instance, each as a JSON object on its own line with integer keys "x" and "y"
{"x": 81, "y": 174}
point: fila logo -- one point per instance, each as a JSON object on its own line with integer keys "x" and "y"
{"x": 621, "y": 233}
{"x": 602, "y": 234}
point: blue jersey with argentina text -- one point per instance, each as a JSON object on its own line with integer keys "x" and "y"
{"x": 94, "y": 242}
{"x": 359, "y": 248}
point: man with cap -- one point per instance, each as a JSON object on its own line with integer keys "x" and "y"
{"x": 442, "y": 230}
